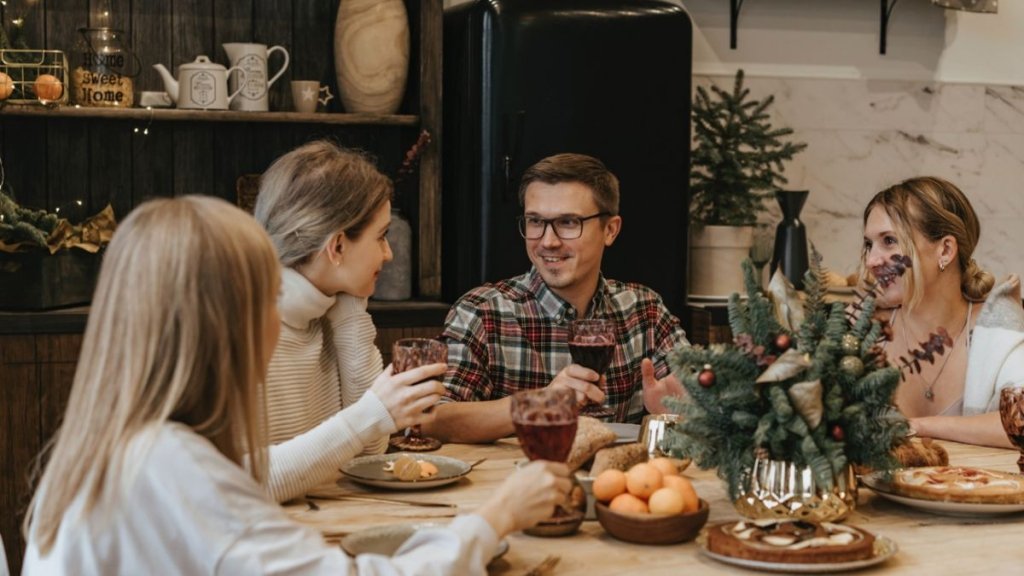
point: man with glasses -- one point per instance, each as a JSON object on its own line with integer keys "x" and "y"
{"x": 512, "y": 335}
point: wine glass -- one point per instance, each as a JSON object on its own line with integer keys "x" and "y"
{"x": 592, "y": 345}
{"x": 1011, "y": 412}
{"x": 409, "y": 353}
{"x": 545, "y": 422}
{"x": 762, "y": 249}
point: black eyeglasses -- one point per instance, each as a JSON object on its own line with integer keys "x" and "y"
{"x": 565, "y": 227}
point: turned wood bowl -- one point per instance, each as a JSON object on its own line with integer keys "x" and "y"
{"x": 652, "y": 528}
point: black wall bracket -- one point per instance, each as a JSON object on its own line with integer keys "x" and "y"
{"x": 886, "y": 13}
{"x": 887, "y": 6}
{"x": 734, "y": 18}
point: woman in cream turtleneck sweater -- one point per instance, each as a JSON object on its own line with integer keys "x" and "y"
{"x": 327, "y": 210}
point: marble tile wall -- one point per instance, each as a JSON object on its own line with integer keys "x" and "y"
{"x": 864, "y": 135}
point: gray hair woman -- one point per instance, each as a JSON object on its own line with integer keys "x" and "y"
{"x": 327, "y": 210}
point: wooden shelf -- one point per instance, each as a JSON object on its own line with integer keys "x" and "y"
{"x": 405, "y": 313}
{"x": 175, "y": 115}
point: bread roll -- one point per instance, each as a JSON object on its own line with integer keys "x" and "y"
{"x": 591, "y": 436}
{"x": 620, "y": 458}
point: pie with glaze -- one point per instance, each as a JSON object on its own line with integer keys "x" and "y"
{"x": 791, "y": 541}
{"x": 959, "y": 484}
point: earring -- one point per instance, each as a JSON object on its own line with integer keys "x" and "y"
{"x": 942, "y": 265}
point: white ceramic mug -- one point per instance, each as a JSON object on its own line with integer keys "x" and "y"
{"x": 252, "y": 58}
{"x": 306, "y": 95}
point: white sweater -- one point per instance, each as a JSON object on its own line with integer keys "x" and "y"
{"x": 320, "y": 411}
{"x": 190, "y": 510}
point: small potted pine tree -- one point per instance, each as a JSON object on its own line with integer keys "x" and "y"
{"x": 737, "y": 162}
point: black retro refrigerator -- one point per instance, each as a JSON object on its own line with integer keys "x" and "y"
{"x": 524, "y": 79}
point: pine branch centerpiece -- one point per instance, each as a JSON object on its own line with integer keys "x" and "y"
{"x": 805, "y": 382}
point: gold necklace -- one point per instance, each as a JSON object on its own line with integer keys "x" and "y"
{"x": 929, "y": 387}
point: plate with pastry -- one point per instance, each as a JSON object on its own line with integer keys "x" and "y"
{"x": 794, "y": 546}
{"x": 401, "y": 471}
{"x": 952, "y": 490}
{"x": 387, "y": 539}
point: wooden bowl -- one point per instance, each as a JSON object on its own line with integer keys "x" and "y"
{"x": 651, "y": 528}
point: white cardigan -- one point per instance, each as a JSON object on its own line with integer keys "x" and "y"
{"x": 320, "y": 412}
{"x": 997, "y": 349}
{"x": 186, "y": 509}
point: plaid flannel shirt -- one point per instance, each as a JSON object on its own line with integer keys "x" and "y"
{"x": 513, "y": 335}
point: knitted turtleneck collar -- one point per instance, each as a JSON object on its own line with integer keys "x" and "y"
{"x": 301, "y": 302}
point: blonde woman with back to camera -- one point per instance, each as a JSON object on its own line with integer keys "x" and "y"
{"x": 327, "y": 210}
{"x": 157, "y": 466}
{"x": 956, "y": 397}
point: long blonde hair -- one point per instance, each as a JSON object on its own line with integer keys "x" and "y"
{"x": 175, "y": 333}
{"x": 935, "y": 208}
{"x": 313, "y": 192}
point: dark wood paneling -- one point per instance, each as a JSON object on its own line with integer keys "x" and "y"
{"x": 313, "y": 46}
{"x": 153, "y": 145}
{"x": 19, "y": 438}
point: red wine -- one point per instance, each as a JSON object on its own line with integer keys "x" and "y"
{"x": 546, "y": 440}
{"x": 594, "y": 355}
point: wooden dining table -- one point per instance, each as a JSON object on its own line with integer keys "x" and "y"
{"x": 929, "y": 543}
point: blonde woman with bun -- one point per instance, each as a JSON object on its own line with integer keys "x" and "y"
{"x": 327, "y": 210}
{"x": 956, "y": 397}
{"x": 157, "y": 466}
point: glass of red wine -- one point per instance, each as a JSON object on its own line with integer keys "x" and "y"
{"x": 592, "y": 345}
{"x": 406, "y": 354}
{"x": 545, "y": 421}
{"x": 1011, "y": 411}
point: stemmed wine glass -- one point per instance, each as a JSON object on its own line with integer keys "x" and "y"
{"x": 592, "y": 345}
{"x": 409, "y": 353}
{"x": 545, "y": 422}
{"x": 1011, "y": 412}
{"x": 762, "y": 249}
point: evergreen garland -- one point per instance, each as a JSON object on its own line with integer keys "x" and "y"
{"x": 738, "y": 155}
{"x": 728, "y": 424}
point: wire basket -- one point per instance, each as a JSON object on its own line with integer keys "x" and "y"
{"x": 25, "y": 67}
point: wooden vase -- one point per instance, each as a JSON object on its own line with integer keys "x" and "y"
{"x": 371, "y": 54}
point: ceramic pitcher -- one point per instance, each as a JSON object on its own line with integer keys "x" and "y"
{"x": 252, "y": 58}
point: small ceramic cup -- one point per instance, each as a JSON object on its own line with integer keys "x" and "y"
{"x": 652, "y": 431}
{"x": 306, "y": 95}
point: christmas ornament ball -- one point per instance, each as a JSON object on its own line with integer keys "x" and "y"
{"x": 706, "y": 378}
{"x": 852, "y": 365}
{"x": 850, "y": 344}
{"x": 783, "y": 342}
{"x": 48, "y": 87}
{"x": 6, "y": 86}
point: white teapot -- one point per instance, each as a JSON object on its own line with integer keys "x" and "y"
{"x": 201, "y": 84}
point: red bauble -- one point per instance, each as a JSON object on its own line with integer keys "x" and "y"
{"x": 706, "y": 378}
{"x": 837, "y": 433}
{"x": 783, "y": 342}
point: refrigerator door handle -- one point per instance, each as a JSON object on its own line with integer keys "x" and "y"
{"x": 513, "y": 130}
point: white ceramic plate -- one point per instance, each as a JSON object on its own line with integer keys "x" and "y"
{"x": 881, "y": 488}
{"x": 387, "y": 539}
{"x": 625, "y": 433}
{"x": 369, "y": 470}
{"x": 884, "y": 549}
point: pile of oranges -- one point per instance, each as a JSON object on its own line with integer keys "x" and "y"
{"x": 653, "y": 487}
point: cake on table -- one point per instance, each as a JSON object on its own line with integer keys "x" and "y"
{"x": 790, "y": 541}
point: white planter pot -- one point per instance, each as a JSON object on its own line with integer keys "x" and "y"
{"x": 716, "y": 256}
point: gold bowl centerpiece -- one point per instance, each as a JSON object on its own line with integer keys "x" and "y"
{"x": 804, "y": 392}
